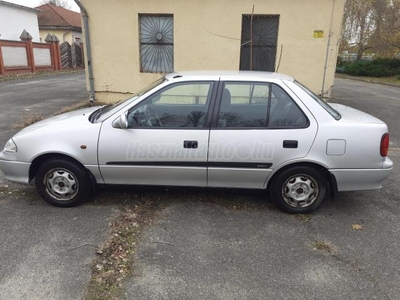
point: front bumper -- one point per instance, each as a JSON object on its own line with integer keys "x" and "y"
{"x": 361, "y": 179}
{"x": 15, "y": 171}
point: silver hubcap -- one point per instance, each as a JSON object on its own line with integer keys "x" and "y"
{"x": 61, "y": 184}
{"x": 300, "y": 191}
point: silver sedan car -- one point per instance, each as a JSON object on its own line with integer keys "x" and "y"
{"x": 252, "y": 130}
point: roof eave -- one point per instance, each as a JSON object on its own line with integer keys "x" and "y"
{"x": 68, "y": 28}
{"x": 20, "y": 6}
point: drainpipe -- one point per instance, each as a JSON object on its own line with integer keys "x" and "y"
{"x": 327, "y": 51}
{"x": 88, "y": 49}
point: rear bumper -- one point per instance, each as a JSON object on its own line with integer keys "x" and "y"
{"x": 361, "y": 179}
{"x": 15, "y": 171}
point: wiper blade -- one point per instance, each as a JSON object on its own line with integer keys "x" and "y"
{"x": 94, "y": 115}
{"x": 104, "y": 107}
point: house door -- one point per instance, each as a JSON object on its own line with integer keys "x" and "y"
{"x": 264, "y": 33}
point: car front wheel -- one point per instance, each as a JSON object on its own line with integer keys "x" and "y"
{"x": 299, "y": 189}
{"x": 62, "y": 182}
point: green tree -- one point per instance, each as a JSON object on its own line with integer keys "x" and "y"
{"x": 358, "y": 25}
{"x": 371, "y": 24}
{"x": 391, "y": 28}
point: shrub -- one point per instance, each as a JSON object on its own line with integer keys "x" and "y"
{"x": 381, "y": 67}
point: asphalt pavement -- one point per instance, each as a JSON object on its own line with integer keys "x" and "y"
{"x": 347, "y": 249}
{"x": 381, "y": 101}
{"x": 46, "y": 252}
{"x": 27, "y": 98}
{"x": 200, "y": 248}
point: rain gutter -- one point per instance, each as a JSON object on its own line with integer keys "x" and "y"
{"x": 85, "y": 17}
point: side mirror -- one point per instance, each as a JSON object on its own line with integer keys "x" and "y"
{"x": 122, "y": 121}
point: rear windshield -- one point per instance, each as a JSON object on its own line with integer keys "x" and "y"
{"x": 333, "y": 112}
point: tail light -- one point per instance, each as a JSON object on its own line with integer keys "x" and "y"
{"x": 385, "y": 145}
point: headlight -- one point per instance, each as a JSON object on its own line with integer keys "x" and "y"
{"x": 10, "y": 146}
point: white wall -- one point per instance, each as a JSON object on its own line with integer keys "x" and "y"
{"x": 14, "y": 20}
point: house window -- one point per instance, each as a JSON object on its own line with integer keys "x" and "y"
{"x": 156, "y": 43}
{"x": 260, "y": 55}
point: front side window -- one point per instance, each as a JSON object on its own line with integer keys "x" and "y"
{"x": 258, "y": 105}
{"x": 183, "y": 105}
{"x": 156, "y": 43}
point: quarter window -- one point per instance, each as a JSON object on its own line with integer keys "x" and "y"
{"x": 180, "y": 106}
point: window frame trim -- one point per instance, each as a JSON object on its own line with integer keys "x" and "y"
{"x": 218, "y": 100}
{"x": 209, "y": 107}
{"x": 167, "y": 44}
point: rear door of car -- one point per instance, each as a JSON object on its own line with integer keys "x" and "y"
{"x": 166, "y": 142}
{"x": 257, "y": 126}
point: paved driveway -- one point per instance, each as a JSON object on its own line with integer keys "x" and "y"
{"x": 382, "y": 101}
{"x": 45, "y": 252}
{"x": 217, "y": 244}
{"x": 348, "y": 249}
{"x": 25, "y": 98}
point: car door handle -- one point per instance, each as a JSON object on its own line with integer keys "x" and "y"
{"x": 290, "y": 144}
{"x": 190, "y": 144}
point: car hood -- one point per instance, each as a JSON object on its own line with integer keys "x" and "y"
{"x": 352, "y": 115}
{"x": 70, "y": 119}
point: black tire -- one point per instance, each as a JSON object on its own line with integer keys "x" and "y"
{"x": 63, "y": 182}
{"x": 299, "y": 189}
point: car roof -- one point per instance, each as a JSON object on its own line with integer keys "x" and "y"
{"x": 229, "y": 75}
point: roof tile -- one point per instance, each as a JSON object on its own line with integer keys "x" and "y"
{"x": 55, "y": 16}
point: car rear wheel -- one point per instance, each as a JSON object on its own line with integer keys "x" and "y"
{"x": 62, "y": 182}
{"x": 299, "y": 189}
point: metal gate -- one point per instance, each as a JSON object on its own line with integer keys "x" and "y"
{"x": 262, "y": 51}
{"x": 71, "y": 55}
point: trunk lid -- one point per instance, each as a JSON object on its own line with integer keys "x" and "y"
{"x": 352, "y": 115}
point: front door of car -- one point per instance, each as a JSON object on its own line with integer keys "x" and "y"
{"x": 165, "y": 142}
{"x": 257, "y": 126}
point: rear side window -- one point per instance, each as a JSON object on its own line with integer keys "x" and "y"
{"x": 284, "y": 112}
{"x": 258, "y": 105}
{"x": 244, "y": 105}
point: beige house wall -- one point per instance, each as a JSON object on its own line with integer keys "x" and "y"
{"x": 62, "y": 35}
{"x": 207, "y": 35}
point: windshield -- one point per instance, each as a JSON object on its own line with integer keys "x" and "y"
{"x": 334, "y": 113}
{"x": 103, "y": 112}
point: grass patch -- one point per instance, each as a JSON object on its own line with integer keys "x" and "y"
{"x": 79, "y": 105}
{"x": 40, "y": 74}
{"x": 31, "y": 119}
{"x": 113, "y": 262}
{"x": 304, "y": 218}
{"x": 323, "y": 246}
{"x": 139, "y": 208}
{"x": 24, "y": 193}
{"x": 231, "y": 199}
